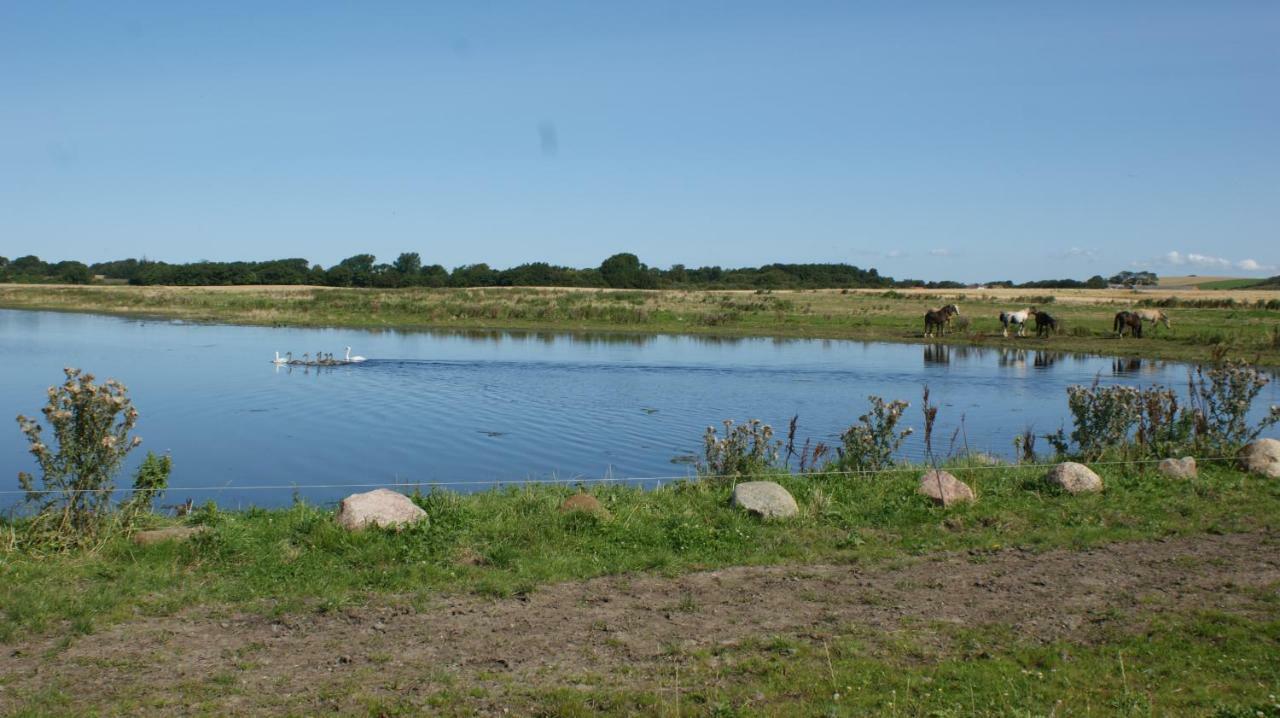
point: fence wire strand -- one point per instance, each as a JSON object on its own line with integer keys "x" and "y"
{"x": 499, "y": 483}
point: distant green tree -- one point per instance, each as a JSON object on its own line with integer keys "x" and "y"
{"x": 339, "y": 276}
{"x": 360, "y": 267}
{"x": 359, "y": 263}
{"x": 30, "y": 265}
{"x": 1130, "y": 279}
{"x": 408, "y": 264}
{"x": 385, "y": 276}
{"x": 473, "y": 275}
{"x": 433, "y": 275}
{"x": 1096, "y": 282}
{"x": 624, "y": 271}
{"x": 72, "y": 272}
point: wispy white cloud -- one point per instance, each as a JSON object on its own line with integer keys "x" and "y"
{"x": 1252, "y": 265}
{"x": 878, "y": 254}
{"x": 1178, "y": 259}
{"x": 940, "y": 253}
{"x": 1205, "y": 261}
{"x": 1080, "y": 253}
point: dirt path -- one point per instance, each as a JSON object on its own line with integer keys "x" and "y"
{"x": 622, "y": 626}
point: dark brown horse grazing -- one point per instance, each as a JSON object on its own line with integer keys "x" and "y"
{"x": 939, "y": 319}
{"x": 1046, "y": 324}
{"x": 1130, "y": 321}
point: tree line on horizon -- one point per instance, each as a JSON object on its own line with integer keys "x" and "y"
{"x": 620, "y": 271}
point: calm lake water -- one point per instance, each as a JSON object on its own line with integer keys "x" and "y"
{"x": 471, "y": 410}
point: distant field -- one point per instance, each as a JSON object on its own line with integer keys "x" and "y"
{"x": 1231, "y": 284}
{"x": 1193, "y": 281}
{"x": 1241, "y": 322}
{"x": 1208, "y": 282}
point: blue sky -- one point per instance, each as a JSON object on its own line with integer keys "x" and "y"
{"x": 973, "y": 141}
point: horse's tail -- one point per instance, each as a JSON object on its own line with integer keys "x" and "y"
{"x": 1119, "y": 322}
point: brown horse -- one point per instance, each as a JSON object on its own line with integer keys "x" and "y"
{"x": 1130, "y": 321}
{"x": 938, "y": 319}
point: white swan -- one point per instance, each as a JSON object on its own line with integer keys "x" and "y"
{"x": 352, "y": 359}
{"x": 279, "y": 360}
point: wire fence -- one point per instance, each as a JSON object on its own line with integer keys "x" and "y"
{"x": 498, "y": 483}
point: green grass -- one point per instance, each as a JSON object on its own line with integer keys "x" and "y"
{"x": 1244, "y": 330}
{"x": 1209, "y": 663}
{"x": 1231, "y": 284}
{"x": 513, "y": 541}
{"x": 299, "y": 559}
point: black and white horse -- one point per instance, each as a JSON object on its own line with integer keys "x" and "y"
{"x": 1018, "y": 319}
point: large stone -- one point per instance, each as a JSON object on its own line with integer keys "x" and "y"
{"x": 585, "y": 503}
{"x": 1262, "y": 457}
{"x": 381, "y": 507}
{"x": 173, "y": 533}
{"x": 984, "y": 459}
{"x": 944, "y": 488}
{"x": 1074, "y": 478}
{"x": 765, "y": 499}
{"x": 1184, "y": 468}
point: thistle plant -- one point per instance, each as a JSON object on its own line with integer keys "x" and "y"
{"x": 90, "y": 425}
{"x": 745, "y": 449}
{"x": 1103, "y": 416}
{"x": 870, "y": 444}
{"x": 1151, "y": 423}
{"x": 1221, "y": 397}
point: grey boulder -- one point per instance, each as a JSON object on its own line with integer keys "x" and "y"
{"x": 944, "y": 489}
{"x": 1184, "y": 468}
{"x": 172, "y": 533}
{"x": 765, "y": 499}
{"x": 1262, "y": 457}
{"x": 381, "y": 507}
{"x": 1074, "y": 478}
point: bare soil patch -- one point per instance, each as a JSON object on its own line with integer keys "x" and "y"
{"x": 629, "y": 628}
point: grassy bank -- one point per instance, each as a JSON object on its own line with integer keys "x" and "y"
{"x": 506, "y": 542}
{"x": 285, "y": 565}
{"x": 1226, "y": 322}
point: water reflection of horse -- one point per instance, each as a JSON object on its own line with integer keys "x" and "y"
{"x": 1128, "y": 320}
{"x": 1136, "y": 365}
{"x": 1012, "y": 358}
{"x": 1044, "y": 360}
{"x": 1126, "y": 365}
{"x": 937, "y": 354}
{"x": 938, "y": 319}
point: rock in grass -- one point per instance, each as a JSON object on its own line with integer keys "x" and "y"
{"x": 1074, "y": 478}
{"x": 173, "y": 533}
{"x": 765, "y": 499}
{"x": 586, "y": 503}
{"x": 1184, "y": 468}
{"x": 944, "y": 488}
{"x": 381, "y": 507}
{"x": 1262, "y": 457}
{"x": 983, "y": 459}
